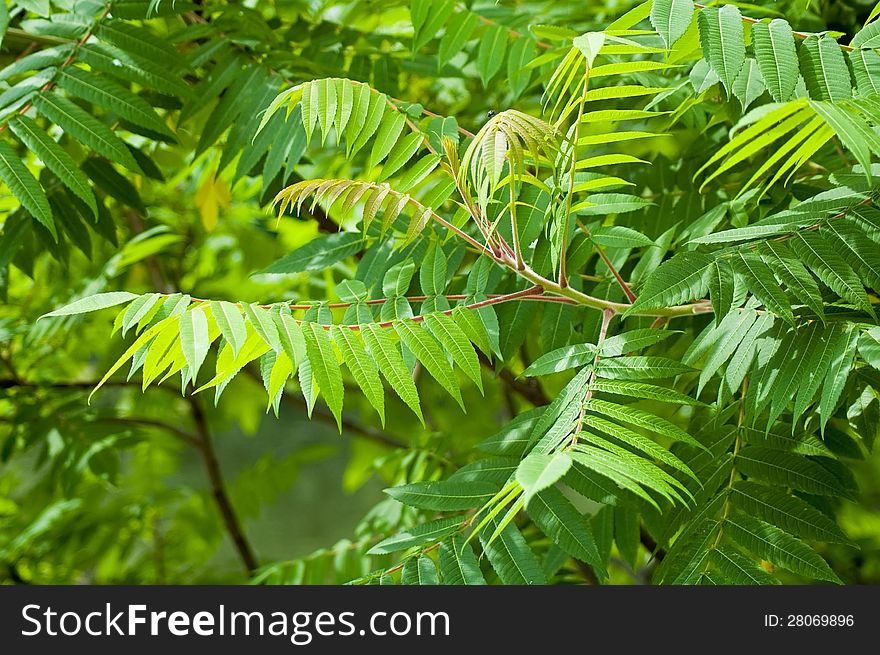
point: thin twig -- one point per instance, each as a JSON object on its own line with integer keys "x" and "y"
{"x": 218, "y": 488}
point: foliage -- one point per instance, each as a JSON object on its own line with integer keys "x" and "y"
{"x": 643, "y": 241}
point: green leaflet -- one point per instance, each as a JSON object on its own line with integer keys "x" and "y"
{"x": 824, "y": 69}
{"x": 55, "y": 158}
{"x": 490, "y": 56}
{"x": 642, "y": 419}
{"x": 326, "y": 370}
{"x": 838, "y": 373}
{"x": 633, "y": 341}
{"x": 386, "y": 137}
{"x": 792, "y": 273}
{"x": 458, "y": 30}
{"x": 554, "y": 514}
{"x": 511, "y": 557}
{"x": 93, "y": 303}
{"x": 445, "y": 496}
{"x": 427, "y": 351}
{"x": 418, "y": 536}
{"x": 721, "y": 34}
{"x": 777, "y": 58}
{"x": 638, "y": 367}
{"x": 24, "y": 187}
{"x": 772, "y": 544}
{"x": 263, "y": 325}
{"x": 671, "y": 19}
{"x": 231, "y": 324}
{"x": 457, "y": 344}
{"x": 831, "y": 268}
{"x": 85, "y": 128}
{"x": 787, "y": 470}
{"x": 786, "y": 512}
{"x": 538, "y": 471}
{"x": 362, "y": 367}
{"x": 736, "y": 568}
{"x": 194, "y": 339}
{"x": 112, "y": 96}
{"x": 632, "y": 389}
{"x": 318, "y": 254}
{"x": 387, "y": 355}
{"x": 761, "y": 282}
{"x": 682, "y": 278}
{"x": 562, "y": 359}
{"x": 638, "y": 442}
{"x": 458, "y": 564}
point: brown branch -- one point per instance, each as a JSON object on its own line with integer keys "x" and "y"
{"x": 601, "y": 252}
{"x": 218, "y": 488}
{"x": 528, "y": 389}
{"x": 181, "y": 434}
{"x": 587, "y": 572}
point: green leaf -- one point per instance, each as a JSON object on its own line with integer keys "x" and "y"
{"x": 831, "y": 268}
{"x": 838, "y": 374}
{"x": 633, "y": 341}
{"x": 86, "y": 129}
{"x": 263, "y": 325}
{"x": 419, "y": 535}
{"x": 868, "y": 37}
{"x": 737, "y": 568}
{"x": 793, "y": 274}
{"x": 786, "y": 512}
{"x": 318, "y": 254}
{"x": 619, "y": 236}
{"x": 110, "y": 95}
{"x": 637, "y": 367}
{"x": 787, "y": 470}
{"x": 231, "y": 324}
{"x": 194, "y": 340}
{"x": 319, "y": 349}
{"x": 458, "y": 564}
{"x": 866, "y": 70}
{"x": 386, "y": 137}
{"x": 428, "y": 352}
{"x": 682, "y": 278}
{"x": 721, "y": 289}
{"x": 642, "y": 419}
{"x": 555, "y": 515}
{"x": 749, "y": 84}
{"x": 444, "y": 496}
{"x": 646, "y": 391}
{"x": 539, "y": 470}
{"x": 671, "y": 19}
{"x": 458, "y": 31}
{"x": 511, "y": 557}
{"x": 589, "y": 45}
{"x": 723, "y": 40}
{"x": 490, "y": 56}
{"x": 362, "y": 367}
{"x": 55, "y": 158}
{"x": 24, "y": 187}
{"x": 562, "y": 359}
{"x": 457, "y": 344}
{"x": 761, "y": 282}
{"x": 777, "y": 58}
{"x": 473, "y": 326}
{"x": 774, "y": 545}
{"x": 636, "y": 441}
{"x": 824, "y": 69}
{"x": 93, "y": 303}
{"x": 522, "y": 52}
{"x": 387, "y": 355}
